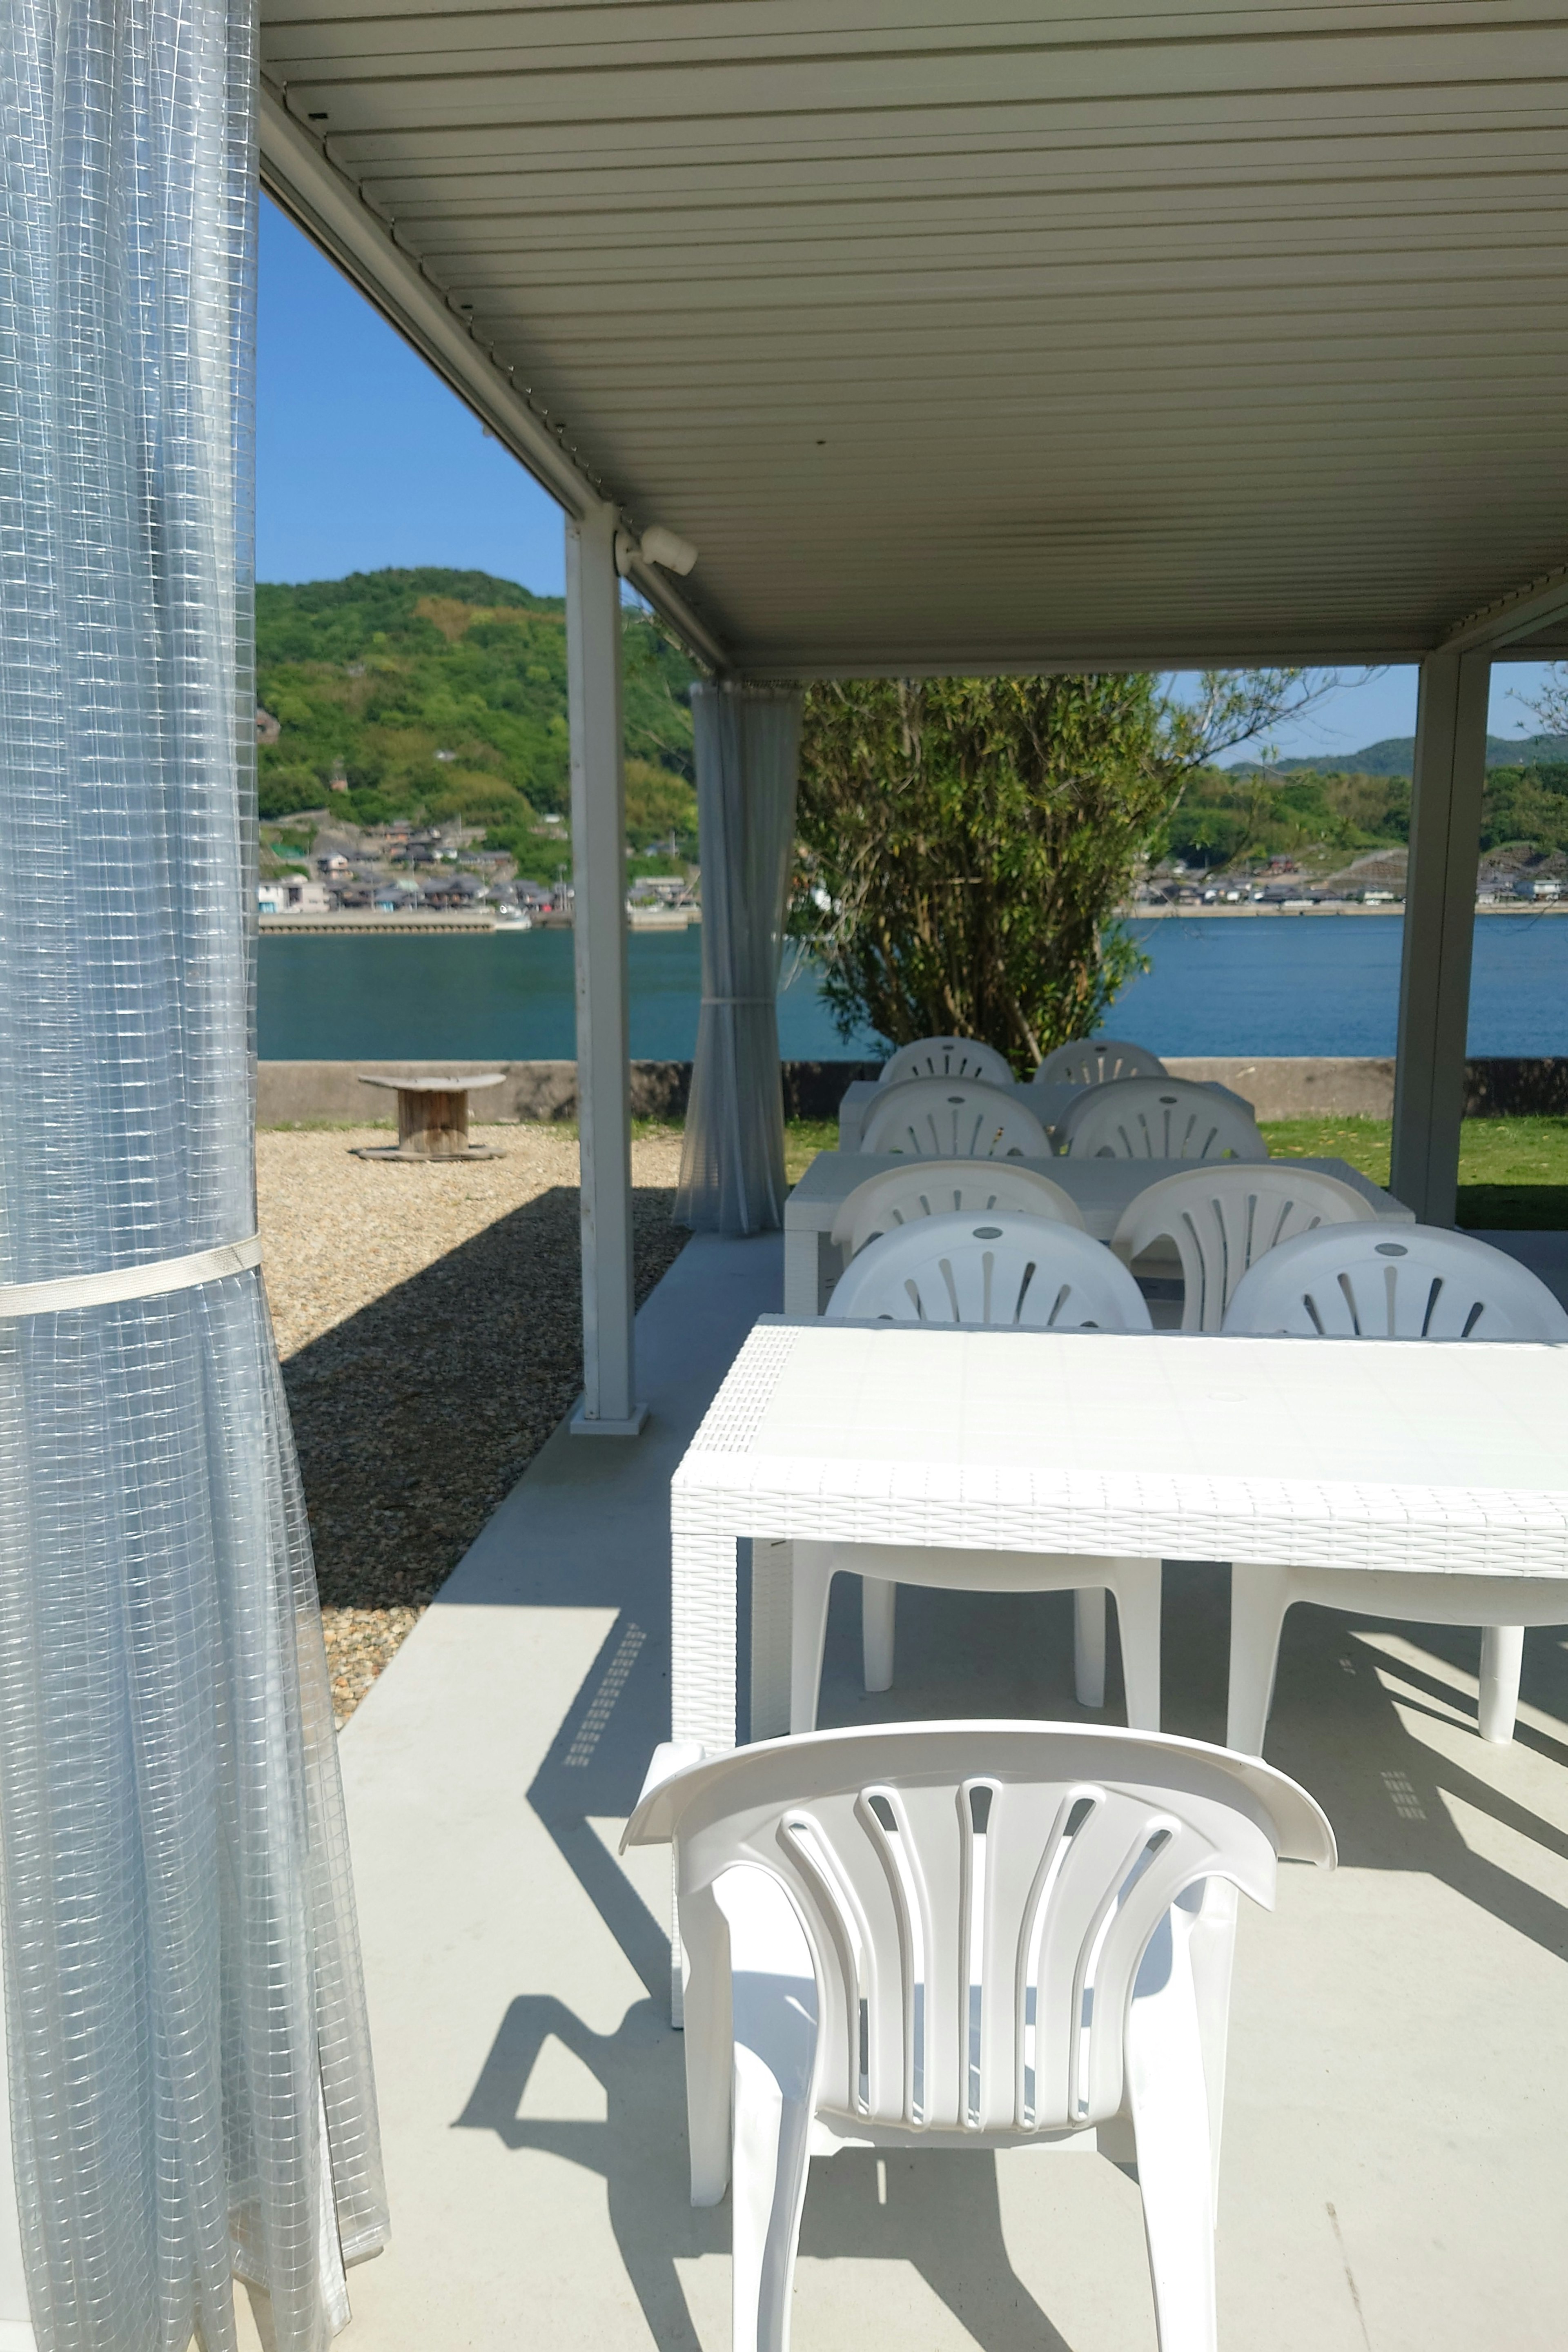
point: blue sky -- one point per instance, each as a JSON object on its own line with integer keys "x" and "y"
{"x": 364, "y": 459}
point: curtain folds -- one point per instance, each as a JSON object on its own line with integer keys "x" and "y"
{"x": 189, "y": 2068}
{"x": 732, "y": 1160}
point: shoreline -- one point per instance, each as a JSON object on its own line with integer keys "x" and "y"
{"x": 357, "y": 918}
{"x": 1396, "y": 913}
{"x": 352, "y": 922}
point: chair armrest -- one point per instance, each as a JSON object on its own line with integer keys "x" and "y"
{"x": 670, "y": 1757}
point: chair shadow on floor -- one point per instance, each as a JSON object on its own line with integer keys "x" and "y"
{"x": 941, "y": 2214}
{"x": 1337, "y": 1728}
{"x": 1348, "y": 1691}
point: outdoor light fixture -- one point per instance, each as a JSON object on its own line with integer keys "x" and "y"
{"x": 664, "y": 548}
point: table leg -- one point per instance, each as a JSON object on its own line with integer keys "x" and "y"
{"x": 702, "y": 1631}
{"x": 772, "y": 1571}
{"x": 803, "y": 1253}
{"x": 1089, "y": 1644}
{"x": 702, "y": 1663}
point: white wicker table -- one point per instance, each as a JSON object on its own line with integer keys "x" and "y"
{"x": 1101, "y": 1188}
{"x": 1419, "y": 1456}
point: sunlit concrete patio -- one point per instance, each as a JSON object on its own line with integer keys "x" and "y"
{"x": 1395, "y": 2165}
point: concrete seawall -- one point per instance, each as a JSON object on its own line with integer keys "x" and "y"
{"x": 294, "y": 1094}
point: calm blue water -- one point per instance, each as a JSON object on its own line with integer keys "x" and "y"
{"x": 1247, "y": 986}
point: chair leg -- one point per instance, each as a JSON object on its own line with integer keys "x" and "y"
{"x": 1138, "y": 1590}
{"x": 1502, "y": 1657}
{"x": 1169, "y": 2098}
{"x": 879, "y": 1611}
{"x": 708, "y": 2038}
{"x": 1089, "y": 1644}
{"x": 768, "y": 2191}
{"x": 1259, "y": 1599}
{"x": 775, "y": 2013}
{"x": 1211, "y": 1948}
{"x": 810, "y": 1582}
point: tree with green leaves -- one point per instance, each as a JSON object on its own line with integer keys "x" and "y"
{"x": 1551, "y": 705}
{"x": 966, "y": 841}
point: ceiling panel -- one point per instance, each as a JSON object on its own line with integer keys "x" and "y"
{"x": 1032, "y": 333}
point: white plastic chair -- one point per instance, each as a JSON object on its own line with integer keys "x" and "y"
{"x": 946, "y": 1057}
{"x": 1001, "y": 1269}
{"x": 1370, "y": 1282}
{"x": 1097, "y": 1062}
{"x": 946, "y": 1118}
{"x": 934, "y": 1188}
{"x": 1157, "y": 1118}
{"x": 964, "y": 1936}
{"x": 1401, "y": 1282}
{"x": 1223, "y": 1216}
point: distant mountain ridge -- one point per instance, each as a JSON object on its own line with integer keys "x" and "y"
{"x": 1395, "y": 756}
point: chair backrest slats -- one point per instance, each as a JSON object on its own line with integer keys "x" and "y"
{"x": 1398, "y": 1282}
{"x": 946, "y": 1057}
{"x": 1008, "y": 1940}
{"x": 1158, "y": 1118}
{"x": 1097, "y": 1062}
{"x": 945, "y": 1119}
{"x": 935, "y": 1188}
{"x": 997, "y": 1268}
{"x": 1224, "y": 1216}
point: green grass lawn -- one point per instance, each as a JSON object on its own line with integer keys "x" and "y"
{"x": 804, "y": 1139}
{"x": 1513, "y": 1173}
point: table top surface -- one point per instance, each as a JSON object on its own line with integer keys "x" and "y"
{"x": 1434, "y": 1439}
{"x": 435, "y": 1086}
{"x": 1107, "y": 1185}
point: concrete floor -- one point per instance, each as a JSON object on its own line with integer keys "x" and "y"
{"x": 1397, "y": 2150}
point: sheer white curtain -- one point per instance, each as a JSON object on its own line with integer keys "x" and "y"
{"x": 733, "y": 1160}
{"x": 189, "y": 2072}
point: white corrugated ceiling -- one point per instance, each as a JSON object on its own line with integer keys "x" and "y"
{"x": 1038, "y": 334}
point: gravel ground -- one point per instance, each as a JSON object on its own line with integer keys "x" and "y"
{"x": 428, "y": 1320}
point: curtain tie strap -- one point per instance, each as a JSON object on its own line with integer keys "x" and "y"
{"x": 125, "y": 1282}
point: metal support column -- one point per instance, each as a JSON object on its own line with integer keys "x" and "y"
{"x": 1439, "y": 926}
{"x": 608, "y": 1407}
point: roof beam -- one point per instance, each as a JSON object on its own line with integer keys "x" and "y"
{"x": 1511, "y": 618}
{"x": 1103, "y": 660}
{"x": 301, "y": 177}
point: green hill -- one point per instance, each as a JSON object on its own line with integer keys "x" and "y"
{"x": 1360, "y": 800}
{"x": 1237, "y": 812}
{"x": 442, "y": 694}
{"x": 1234, "y": 813}
{"x": 1395, "y": 756}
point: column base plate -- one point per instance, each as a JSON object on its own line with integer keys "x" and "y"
{"x": 580, "y": 1426}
